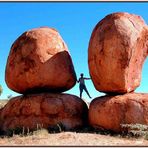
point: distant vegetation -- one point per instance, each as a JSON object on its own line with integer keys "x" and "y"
{"x": 1, "y": 89}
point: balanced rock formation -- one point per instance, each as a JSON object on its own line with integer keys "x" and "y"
{"x": 110, "y": 112}
{"x": 44, "y": 109}
{"x": 117, "y": 49}
{"x": 39, "y": 61}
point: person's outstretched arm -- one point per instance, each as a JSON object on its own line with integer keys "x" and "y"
{"x": 87, "y": 78}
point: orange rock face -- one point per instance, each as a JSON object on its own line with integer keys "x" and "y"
{"x": 0, "y": 118}
{"x": 39, "y": 61}
{"x": 109, "y": 112}
{"x": 44, "y": 109}
{"x": 117, "y": 49}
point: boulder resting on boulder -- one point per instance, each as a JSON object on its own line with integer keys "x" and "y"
{"x": 39, "y": 61}
{"x": 117, "y": 49}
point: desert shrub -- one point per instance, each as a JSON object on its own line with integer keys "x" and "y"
{"x": 10, "y": 132}
{"x": 23, "y": 131}
{"x": 40, "y": 132}
{"x": 59, "y": 127}
{"x": 1, "y": 89}
{"x": 136, "y": 130}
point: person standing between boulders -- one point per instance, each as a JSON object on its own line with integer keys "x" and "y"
{"x": 82, "y": 85}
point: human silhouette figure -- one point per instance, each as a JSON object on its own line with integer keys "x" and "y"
{"x": 82, "y": 85}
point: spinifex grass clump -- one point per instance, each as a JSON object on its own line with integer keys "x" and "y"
{"x": 22, "y": 131}
{"x": 137, "y": 130}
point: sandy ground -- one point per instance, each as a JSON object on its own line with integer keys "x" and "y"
{"x": 2, "y": 103}
{"x": 70, "y": 139}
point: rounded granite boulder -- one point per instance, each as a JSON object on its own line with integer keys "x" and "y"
{"x": 45, "y": 109}
{"x": 39, "y": 61}
{"x": 117, "y": 49}
{"x": 111, "y": 112}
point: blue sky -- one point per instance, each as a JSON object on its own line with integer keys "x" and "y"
{"x": 74, "y": 21}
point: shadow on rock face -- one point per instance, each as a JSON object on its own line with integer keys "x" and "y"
{"x": 61, "y": 77}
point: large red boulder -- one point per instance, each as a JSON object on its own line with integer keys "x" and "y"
{"x": 0, "y": 118}
{"x": 117, "y": 49}
{"x": 111, "y": 112}
{"x": 46, "y": 110}
{"x": 39, "y": 61}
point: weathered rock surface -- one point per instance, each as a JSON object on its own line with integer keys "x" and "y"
{"x": 46, "y": 110}
{"x": 39, "y": 61}
{"x": 109, "y": 112}
{"x": 117, "y": 49}
{"x": 0, "y": 118}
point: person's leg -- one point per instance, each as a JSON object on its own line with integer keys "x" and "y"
{"x": 81, "y": 90}
{"x": 87, "y": 91}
